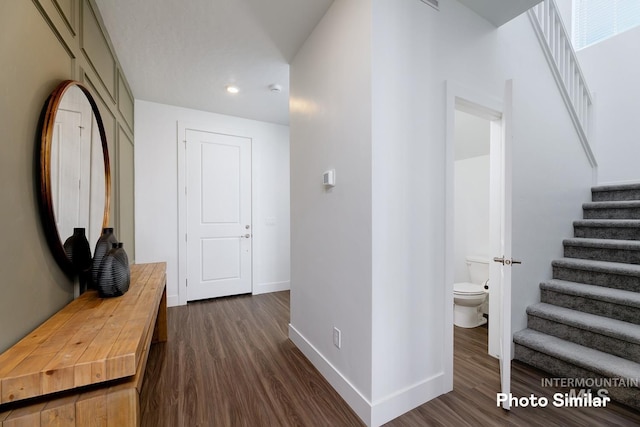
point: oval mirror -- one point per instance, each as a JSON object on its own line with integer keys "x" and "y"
{"x": 74, "y": 174}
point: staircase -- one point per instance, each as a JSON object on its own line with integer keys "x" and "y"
{"x": 587, "y": 324}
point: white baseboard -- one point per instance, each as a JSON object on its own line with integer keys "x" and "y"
{"x": 173, "y": 300}
{"x": 357, "y": 402}
{"x": 383, "y": 410}
{"x": 263, "y": 288}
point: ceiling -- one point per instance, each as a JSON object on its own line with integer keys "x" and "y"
{"x": 186, "y": 53}
{"x": 499, "y": 12}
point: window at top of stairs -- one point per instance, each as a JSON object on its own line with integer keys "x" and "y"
{"x": 597, "y": 20}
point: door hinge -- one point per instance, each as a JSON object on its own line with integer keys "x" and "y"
{"x": 186, "y": 282}
{"x": 185, "y": 237}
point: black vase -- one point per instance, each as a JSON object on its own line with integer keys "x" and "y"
{"x": 79, "y": 254}
{"x": 78, "y": 251}
{"x": 103, "y": 246}
{"x": 114, "y": 274}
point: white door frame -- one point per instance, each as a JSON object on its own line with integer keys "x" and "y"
{"x": 494, "y": 109}
{"x": 183, "y": 127}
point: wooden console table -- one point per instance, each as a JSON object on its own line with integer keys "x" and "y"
{"x": 85, "y": 365}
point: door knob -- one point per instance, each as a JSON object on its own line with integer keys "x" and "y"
{"x": 506, "y": 261}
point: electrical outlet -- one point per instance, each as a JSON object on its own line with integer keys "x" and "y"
{"x": 337, "y": 337}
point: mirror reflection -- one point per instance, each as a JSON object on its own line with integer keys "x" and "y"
{"x": 73, "y": 174}
{"x": 77, "y": 168}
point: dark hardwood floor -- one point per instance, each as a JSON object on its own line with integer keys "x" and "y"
{"x": 228, "y": 362}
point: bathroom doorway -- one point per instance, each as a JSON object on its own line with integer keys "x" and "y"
{"x": 478, "y": 224}
{"x": 471, "y": 246}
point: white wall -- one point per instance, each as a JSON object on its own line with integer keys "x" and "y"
{"x": 156, "y": 176}
{"x": 400, "y": 324}
{"x": 611, "y": 69}
{"x": 331, "y": 230}
{"x": 471, "y": 223}
{"x": 551, "y": 174}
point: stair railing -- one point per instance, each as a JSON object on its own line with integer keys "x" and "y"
{"x": 562, "y": 59}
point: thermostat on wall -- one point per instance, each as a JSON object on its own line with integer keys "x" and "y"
{"x": 329, "y": 178}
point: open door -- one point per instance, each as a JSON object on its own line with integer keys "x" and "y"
{"x": 500, "y": 269}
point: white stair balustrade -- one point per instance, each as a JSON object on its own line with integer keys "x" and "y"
{"x": 562, "y": 59}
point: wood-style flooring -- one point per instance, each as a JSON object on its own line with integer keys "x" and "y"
{"x": 228, "y": 362}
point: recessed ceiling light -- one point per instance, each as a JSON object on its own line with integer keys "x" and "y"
{"x": 233, "y": 89}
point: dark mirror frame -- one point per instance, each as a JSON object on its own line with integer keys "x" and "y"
{"x": 46, "y": 129}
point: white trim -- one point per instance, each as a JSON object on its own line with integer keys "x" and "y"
{"x": 469, "y": 100}
{"x": 382, "y": 410}
{"x": 264, "y": 288}
{"x": 181, "y": 142}
{"x": 360, "y": 404}
{"x": 391, "y": 407}
{"x": 182, "y": 128}
{"x": 173, "y": 300}
{"x": 577, "y": 117}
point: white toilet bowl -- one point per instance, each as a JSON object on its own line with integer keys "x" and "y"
{"x": 467, "y": 309}
{"x": 469, "y": 297}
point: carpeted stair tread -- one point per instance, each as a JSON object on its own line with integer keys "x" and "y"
{"x": 603, "y": 249}
{"x": 601, "y": 293}
{"x": 604, "y": 364}
{"x": 621, "y": 223}
{"x": 613, "y": 328}
{"x": 625, "y": 209}
{"x": 615, "y": 187}
{"x": 598, "y": 266}
{"x": 614, "y": 204}
{"x": 633, "y": 245}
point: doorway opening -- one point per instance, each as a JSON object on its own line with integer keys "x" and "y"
{"x": 478, "y": 221}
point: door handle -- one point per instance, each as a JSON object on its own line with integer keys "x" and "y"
{"x": 506, "y": 261}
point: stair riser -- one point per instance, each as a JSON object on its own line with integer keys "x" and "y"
{"x": 619, "y": 233}
{"x": 612, "y": 213}
{"x": 591, "y": 339}
{"x": 602, "y": 254}
{"x": 560, "y": 369}
{"x": 615, "y": 196}
{"x": 588, "y": 305}
{"x": 609, "y": 280}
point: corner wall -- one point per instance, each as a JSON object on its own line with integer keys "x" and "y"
{"x": 42, "y": 43}
{"x": 331, "y": 228}
{"x": 611, "y": 68}
{"x": 401, "y": 309}
{"x": 156, "y": 174}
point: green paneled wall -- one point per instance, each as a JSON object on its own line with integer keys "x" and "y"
{"x": 43, "y": 42}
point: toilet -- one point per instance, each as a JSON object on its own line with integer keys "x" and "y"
{"x": 469, "y": 297}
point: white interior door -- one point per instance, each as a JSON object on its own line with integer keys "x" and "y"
{"x": 71, "y": 151}
{"x": 218, "y": 195}
{"x": 500, "y": 270}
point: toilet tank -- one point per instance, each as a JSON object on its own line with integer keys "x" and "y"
{"x": 478, "y": 268}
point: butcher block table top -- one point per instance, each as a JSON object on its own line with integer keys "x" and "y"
{"x": 90, "y": 341}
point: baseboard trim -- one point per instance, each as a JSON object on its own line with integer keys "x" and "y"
{"x": 360, "y": 404}
{"x": 385, "y": 410}
{"x": 381, "y": 411}
{"x": 264, "y": 288}
{"x": 173, "y": 300}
